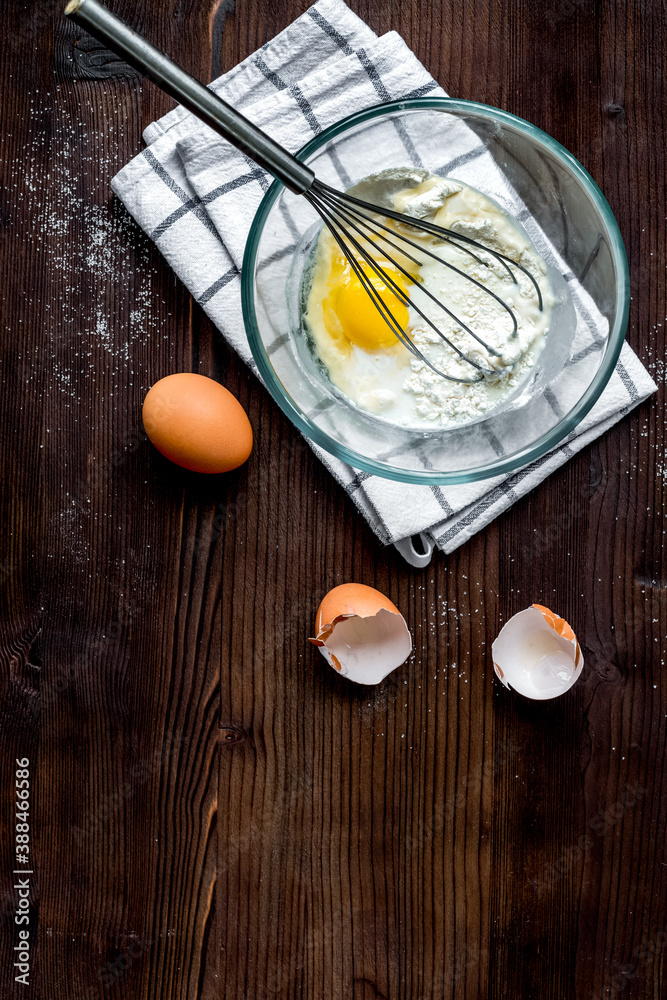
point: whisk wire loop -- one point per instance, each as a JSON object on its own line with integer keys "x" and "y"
{"x": 387, "y": 280}
{"x": 374, "y": 295}
{"x": 368, "y": 223}
{"x": 345, "y": 215}
{"x": 445, "y": 235}
{"x": 452, "y": 267}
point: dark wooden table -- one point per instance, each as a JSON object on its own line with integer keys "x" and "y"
{"x": 213, "y": 812}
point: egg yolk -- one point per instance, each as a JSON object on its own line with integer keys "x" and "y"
{"x": 359, "y": 318}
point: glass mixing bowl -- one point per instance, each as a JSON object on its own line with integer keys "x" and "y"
{"x": 551, "y": 197}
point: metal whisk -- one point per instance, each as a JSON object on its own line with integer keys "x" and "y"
{"x": 359, "y": 228}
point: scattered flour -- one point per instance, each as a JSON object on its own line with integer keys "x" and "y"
{"x": 101, "y": 301}
{"x": 88, "y": 300}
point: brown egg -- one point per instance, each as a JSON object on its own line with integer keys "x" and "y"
{"x": 197, "y": 423}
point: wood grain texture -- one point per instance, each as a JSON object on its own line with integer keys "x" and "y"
{"x": 216, "y": 814}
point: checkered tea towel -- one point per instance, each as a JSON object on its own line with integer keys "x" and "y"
{"x": 195, "y": 196}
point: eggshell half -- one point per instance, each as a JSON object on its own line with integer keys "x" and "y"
{"x": 537, "y": 654}
{"x": 196, "y": 423}
{"x": 361, "y": 633}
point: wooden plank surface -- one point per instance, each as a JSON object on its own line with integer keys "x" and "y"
{"x": 213, "y": 812}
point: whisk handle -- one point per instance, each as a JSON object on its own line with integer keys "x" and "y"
{"x": 200, "y": 100}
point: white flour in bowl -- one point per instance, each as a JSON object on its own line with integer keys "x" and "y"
{"x": 368, "y": 363}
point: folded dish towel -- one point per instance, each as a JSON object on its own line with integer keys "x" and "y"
{"x": 195, "y": 196}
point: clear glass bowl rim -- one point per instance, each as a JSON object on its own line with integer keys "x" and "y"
{"x": 547, "y": 442}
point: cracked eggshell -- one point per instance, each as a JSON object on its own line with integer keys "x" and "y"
{"x": 361, "y": 634}
{"x": 537, "y": 654}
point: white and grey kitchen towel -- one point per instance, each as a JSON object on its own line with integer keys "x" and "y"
{"x": 195, "y": 196}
